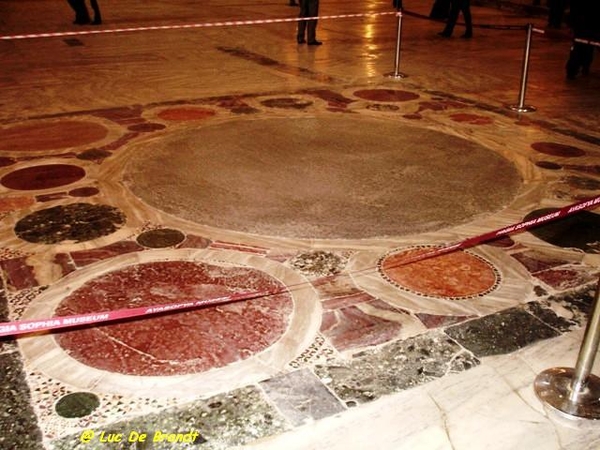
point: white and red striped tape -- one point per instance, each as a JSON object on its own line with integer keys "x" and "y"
{"x": 228, "y": 23}
{"x": 57, "y": 323}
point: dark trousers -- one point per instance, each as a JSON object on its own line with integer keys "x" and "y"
{"x": 580, "y": 57}
{"x": 308, "y": 8}
{"x": 440, "y": 9}
{"x": 456, "y": 7}
{"x": 82, "y": 16}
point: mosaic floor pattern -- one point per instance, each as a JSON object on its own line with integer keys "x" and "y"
{"x": 88, "y": 230}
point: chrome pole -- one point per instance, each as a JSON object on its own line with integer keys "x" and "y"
{"x": 521, "y": 107}
{"x": 576, "y": 392}
{"x": 587, "y": 353}
{"x": 396, "y": 73}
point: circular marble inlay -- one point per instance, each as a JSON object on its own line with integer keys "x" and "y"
{"x": 42, "y": 177}
{"x": 190, "y": 352}
{"x": 548, "y": 165}
{"x": 93, "y": 154}
{"x": 456, "y": 276}
{"x": 161, "y": 238}
{"x": 189, "y": 113}
{"x": 386, "y": 95}
{"x": 326, "y": 177}
{"x": 84, "y": 192}
{"x": 78, "y": 404}
{"x": 186, "y": 342}
{"x": 77, "y": 222}
{"x": 555, "y": 149}
{"x": 50, "y": 135}
{"x": 581, "y": 230}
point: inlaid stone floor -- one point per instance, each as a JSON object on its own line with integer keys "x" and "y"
{"x": 301, "y": 188}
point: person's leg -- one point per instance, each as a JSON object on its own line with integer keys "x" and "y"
{"x": 575, "y": 60}
{"x": 97, "y": 15}
{"x": 587, "y": 57}
{"x": 311, "y": 26}
{"x": 452, "y": 18}
{"x": 466, "y": 11}
{"x": 82, "y": 16}
{"x": 440, "y": 9}
{"x": 302, "y": 23}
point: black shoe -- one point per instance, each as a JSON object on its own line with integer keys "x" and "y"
{"x": 315, "y": 43}
{"x": 97, "y": 22}
{"x": 444, "y": 34}
{"x": 301, "y": 40}
{"x": 467, "y": 36}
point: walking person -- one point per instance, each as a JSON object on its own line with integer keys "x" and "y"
{"x": 82, "y": 15}
{"x": 307, "y": 29}
{"x": 456, "y": 7}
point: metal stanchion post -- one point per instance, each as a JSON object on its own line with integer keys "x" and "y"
{"x": 521, "y": 107}
{"x": 575, "y": 392}
{"x": 396, "y": 73}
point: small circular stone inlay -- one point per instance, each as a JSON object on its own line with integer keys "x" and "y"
{"x": 455, "y": 276}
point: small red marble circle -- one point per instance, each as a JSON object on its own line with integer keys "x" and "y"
{"x": 548, "y": 165}
{"x": 50, "y": 136}
{"x": 554, "y": 149}
{"x": 178, "y": 343}
{"x": 386, "y": 95}
{"x": 84, "y": 192}
{"x": 42, "y": 177}
{"x": 455, "y": 276}
{"x": 183, "y": 114}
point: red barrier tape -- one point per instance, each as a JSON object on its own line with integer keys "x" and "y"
{"x": 227, "y": 23}
{"x": 56, "y": 323}
{"x": 587, "y": 42}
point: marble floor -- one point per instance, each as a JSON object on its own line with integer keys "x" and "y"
{"x": 162, "y": 163}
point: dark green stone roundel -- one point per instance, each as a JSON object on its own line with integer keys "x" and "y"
{"x": 77, "y": 222}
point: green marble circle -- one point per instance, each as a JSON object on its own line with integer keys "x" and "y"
{"x": 78, "y": 404}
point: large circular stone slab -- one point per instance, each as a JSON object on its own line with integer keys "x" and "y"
{"x": 174, "y": 344}
{"x": 333, "y": 177}
{"x": 187, "y": 352}
{"x": 50, "y": 135}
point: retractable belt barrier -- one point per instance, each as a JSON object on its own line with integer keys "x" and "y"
{"x": 227, "y": 23}
{"x": 587, "y": 41}
{"x": 62, "y": 322}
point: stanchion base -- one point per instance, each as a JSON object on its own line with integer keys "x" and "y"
{"x": 553, "y": 388}
{"x": 522, "y": 109}
{"x": 395, "y": 75}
